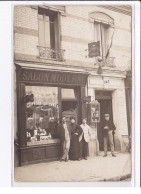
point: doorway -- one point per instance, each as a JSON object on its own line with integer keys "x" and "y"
{"x": 70, "y": 103}
{"x": 105, "y": 100}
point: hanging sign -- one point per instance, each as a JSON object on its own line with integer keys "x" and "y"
{"x": 94, "y": 49}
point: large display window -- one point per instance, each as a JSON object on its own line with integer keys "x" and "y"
{"x": 42, "y": 114}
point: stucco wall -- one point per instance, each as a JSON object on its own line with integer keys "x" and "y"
{"x": 117, "y": 87}
{"x": 76, "y": 32}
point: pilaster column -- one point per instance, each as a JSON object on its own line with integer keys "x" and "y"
{"x": 93, "y": 144}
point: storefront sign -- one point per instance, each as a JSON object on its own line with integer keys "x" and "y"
{"x": 43, "y": 76}
{"x": 95, "y": 111}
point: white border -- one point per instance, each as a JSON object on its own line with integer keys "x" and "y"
{"x": 136, "y": 55}
{"x": 6, "y": 48}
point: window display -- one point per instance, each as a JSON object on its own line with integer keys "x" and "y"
{"x": 42, "y": 114}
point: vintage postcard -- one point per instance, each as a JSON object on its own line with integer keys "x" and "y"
{"x": 72, "y": 92}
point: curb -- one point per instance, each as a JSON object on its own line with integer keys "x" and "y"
{"x": 119, "y": 178}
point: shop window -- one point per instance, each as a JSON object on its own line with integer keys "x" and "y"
{"x": 42, "y": 114}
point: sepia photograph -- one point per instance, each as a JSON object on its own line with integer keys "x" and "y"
{"x": 72, "y": 72}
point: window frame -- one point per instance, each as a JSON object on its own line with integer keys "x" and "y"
{"x": 56, "y": 15}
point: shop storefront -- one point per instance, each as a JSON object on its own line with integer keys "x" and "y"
{"x": 43, "y": 96}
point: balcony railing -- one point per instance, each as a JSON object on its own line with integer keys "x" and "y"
{"x": 53, "y": 54}
{"x": 109, "y": 61}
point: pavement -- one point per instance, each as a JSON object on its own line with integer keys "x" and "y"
{"x": 94, "y": 169}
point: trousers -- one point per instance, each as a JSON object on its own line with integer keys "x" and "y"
{"x": 83, "y": 148}
{"x": 66, "y": 147}
{"x": 109, "y": 137}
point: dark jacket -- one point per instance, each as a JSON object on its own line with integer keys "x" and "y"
{"x": 61, "y": 132}
{"x": 52, "y": 129}
{"x": 75, "y": 129}
{"x": 110, "y": 125}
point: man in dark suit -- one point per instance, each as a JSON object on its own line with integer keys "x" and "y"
{"x": 108, "y": 128}
{"x": 65, "y": 135}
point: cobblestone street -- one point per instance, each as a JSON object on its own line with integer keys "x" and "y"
{"x": 93, "y": 169}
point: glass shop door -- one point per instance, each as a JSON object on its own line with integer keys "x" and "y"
{"x": 69, "y": 103}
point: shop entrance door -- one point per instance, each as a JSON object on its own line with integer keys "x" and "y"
{"x": 105, "y": 101}
{"x": 70, "y": 103}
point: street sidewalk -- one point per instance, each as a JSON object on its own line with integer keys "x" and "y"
{"x": 94, "y": 169}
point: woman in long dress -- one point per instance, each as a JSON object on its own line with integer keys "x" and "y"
{"x": 76, "y": 131}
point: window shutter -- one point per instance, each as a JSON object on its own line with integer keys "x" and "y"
{"x": 41, "y": 31}
{"x": 47, "y": 31}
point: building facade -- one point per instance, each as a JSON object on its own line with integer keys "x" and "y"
{"x": 58, "y": 66}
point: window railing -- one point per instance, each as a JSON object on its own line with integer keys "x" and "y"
{"x": 48, "y": 53}
{"x": 103, "y": 61}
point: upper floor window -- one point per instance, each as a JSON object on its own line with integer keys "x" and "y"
{"x": 103, "y": 31}
{"x": 47, "y": 26}
{"x": 49, "y": 39}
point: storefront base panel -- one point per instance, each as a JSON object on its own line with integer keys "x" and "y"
{"x": 117, "y": 143}
{"x": 39, "y": 154}
{"x": 122, "y": 143}
{"x": 93, "y": 148}
{"x": 125, "y": 145}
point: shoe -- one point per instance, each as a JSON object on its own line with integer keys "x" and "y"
{"x": 105, "y": 155}
{"x": 79, "y": 159}
{"x": 113, "y": 155}
{"x": 85, "y": 158}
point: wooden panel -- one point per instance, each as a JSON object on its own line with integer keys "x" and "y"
{"x": 36, "y": 154}
{"x": 40, "y": 154}
{"x": 32, "y": 154}
{"x": 53, "y": 151}
{"x": 24, "y": 156}
{"x": 21, "y": 114}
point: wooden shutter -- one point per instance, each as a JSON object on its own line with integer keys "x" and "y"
{"x": 41, "y": 30}
{"x": 44, "y": 30}
{"x": 47, "y": 31}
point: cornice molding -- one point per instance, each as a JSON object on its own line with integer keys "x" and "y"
{"x": 127, "y": 10}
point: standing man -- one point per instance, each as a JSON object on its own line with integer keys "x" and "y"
{"x": 108, "y": 128}
{"x": 84, "y": 139}
{"x": 65, "y": 135}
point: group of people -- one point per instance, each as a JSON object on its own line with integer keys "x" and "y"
{"x": 75, "y": 138}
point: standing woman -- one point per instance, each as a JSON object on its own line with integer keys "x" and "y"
{"x": 76, "y": 131}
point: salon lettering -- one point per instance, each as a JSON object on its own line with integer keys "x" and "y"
{"x": 28, "y": 75}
